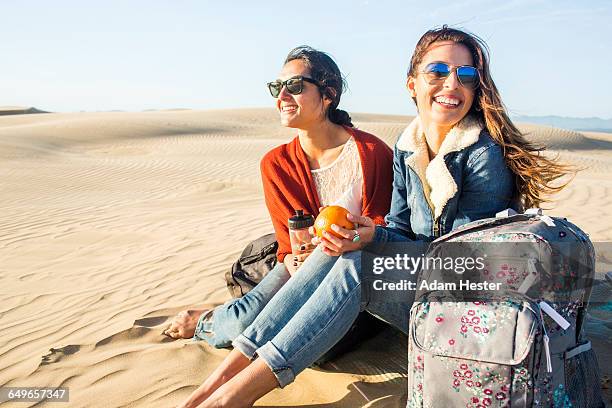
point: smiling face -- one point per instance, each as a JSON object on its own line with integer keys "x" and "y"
{"x": 306, "y": 109}
{"x": 444, "y": 102}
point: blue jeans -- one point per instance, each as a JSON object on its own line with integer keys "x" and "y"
{"x": 313, "y": 311}
{"x": 218, "y": 327}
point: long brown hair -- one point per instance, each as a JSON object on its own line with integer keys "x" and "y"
{"x": 534, "y": 173}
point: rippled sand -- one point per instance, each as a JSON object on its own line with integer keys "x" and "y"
{"x": 113, "y": 222}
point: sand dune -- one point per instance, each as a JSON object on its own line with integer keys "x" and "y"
{"x": 113, "y": 222}
{"x": 18, "y": 110}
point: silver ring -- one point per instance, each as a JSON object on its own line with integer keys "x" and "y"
{"x": 356, "y": 237}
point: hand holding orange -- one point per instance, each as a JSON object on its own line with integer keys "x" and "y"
{"x": 334, "y": 214}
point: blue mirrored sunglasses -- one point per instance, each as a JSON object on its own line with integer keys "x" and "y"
{"x": 468, "y": 76}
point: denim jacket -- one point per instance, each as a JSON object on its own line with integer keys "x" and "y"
{"x": 466, "y": 181}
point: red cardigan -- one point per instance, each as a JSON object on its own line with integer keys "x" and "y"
{"x": 288, "y": 183}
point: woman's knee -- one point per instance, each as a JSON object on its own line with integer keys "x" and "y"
{"x": 348, "y": 264}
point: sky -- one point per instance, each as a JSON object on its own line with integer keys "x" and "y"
{"x": 547, "y": 57}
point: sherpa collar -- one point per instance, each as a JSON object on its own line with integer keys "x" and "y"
{"x": 438, "y": 183}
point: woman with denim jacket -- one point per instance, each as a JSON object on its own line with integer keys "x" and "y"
{"x": 460, "y": 160}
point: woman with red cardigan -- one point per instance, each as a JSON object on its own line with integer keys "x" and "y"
{"x": 329, "y": 162}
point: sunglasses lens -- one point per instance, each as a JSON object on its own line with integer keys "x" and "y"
{"x": 437, "y": 70}
{"x": 274, "y": 88}
{"x": 295, "y": 86}
{"x": 468, "y": 76}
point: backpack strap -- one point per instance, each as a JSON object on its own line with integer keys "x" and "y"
{"x": 577, "y": 350}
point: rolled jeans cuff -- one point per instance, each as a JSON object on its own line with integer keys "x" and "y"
{"x": 204, "y": 328}
{"x": 277, "y": 363}
{"x": 246, "y": 346}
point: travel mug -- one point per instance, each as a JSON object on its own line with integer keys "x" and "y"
{"x": 298, "y": 232}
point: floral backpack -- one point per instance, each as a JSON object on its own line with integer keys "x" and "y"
{"x": 521, "y": 347}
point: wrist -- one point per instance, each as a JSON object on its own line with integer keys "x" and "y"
{"x": 367, "y": 237}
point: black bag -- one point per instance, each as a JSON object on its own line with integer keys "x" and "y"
{"x": 257, "y": 259}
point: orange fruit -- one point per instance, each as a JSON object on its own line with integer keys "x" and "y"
{"x": 334, "y": 214}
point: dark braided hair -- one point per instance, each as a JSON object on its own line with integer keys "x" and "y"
{"x": 324, "y": 70}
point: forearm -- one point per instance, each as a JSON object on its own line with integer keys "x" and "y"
{"x": 234, "y": 363}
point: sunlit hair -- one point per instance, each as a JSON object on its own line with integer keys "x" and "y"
{"x": 534, "y": 173}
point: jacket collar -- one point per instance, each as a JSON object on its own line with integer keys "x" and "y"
{"x": 438, "y": 184}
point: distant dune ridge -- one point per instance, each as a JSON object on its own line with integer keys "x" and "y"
{"x": 18, "y": 110}
{"x": 113, "y": 222}
{"x": 592, "y": 124}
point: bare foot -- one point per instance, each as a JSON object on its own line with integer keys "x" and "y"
{"x": 184, "y": 324}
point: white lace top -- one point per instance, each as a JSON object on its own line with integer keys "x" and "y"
{"x": 341, "y": 183}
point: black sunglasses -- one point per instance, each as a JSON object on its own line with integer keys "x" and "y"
{"x": 295, "y": 85}
{"x": 468, "y": 76}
